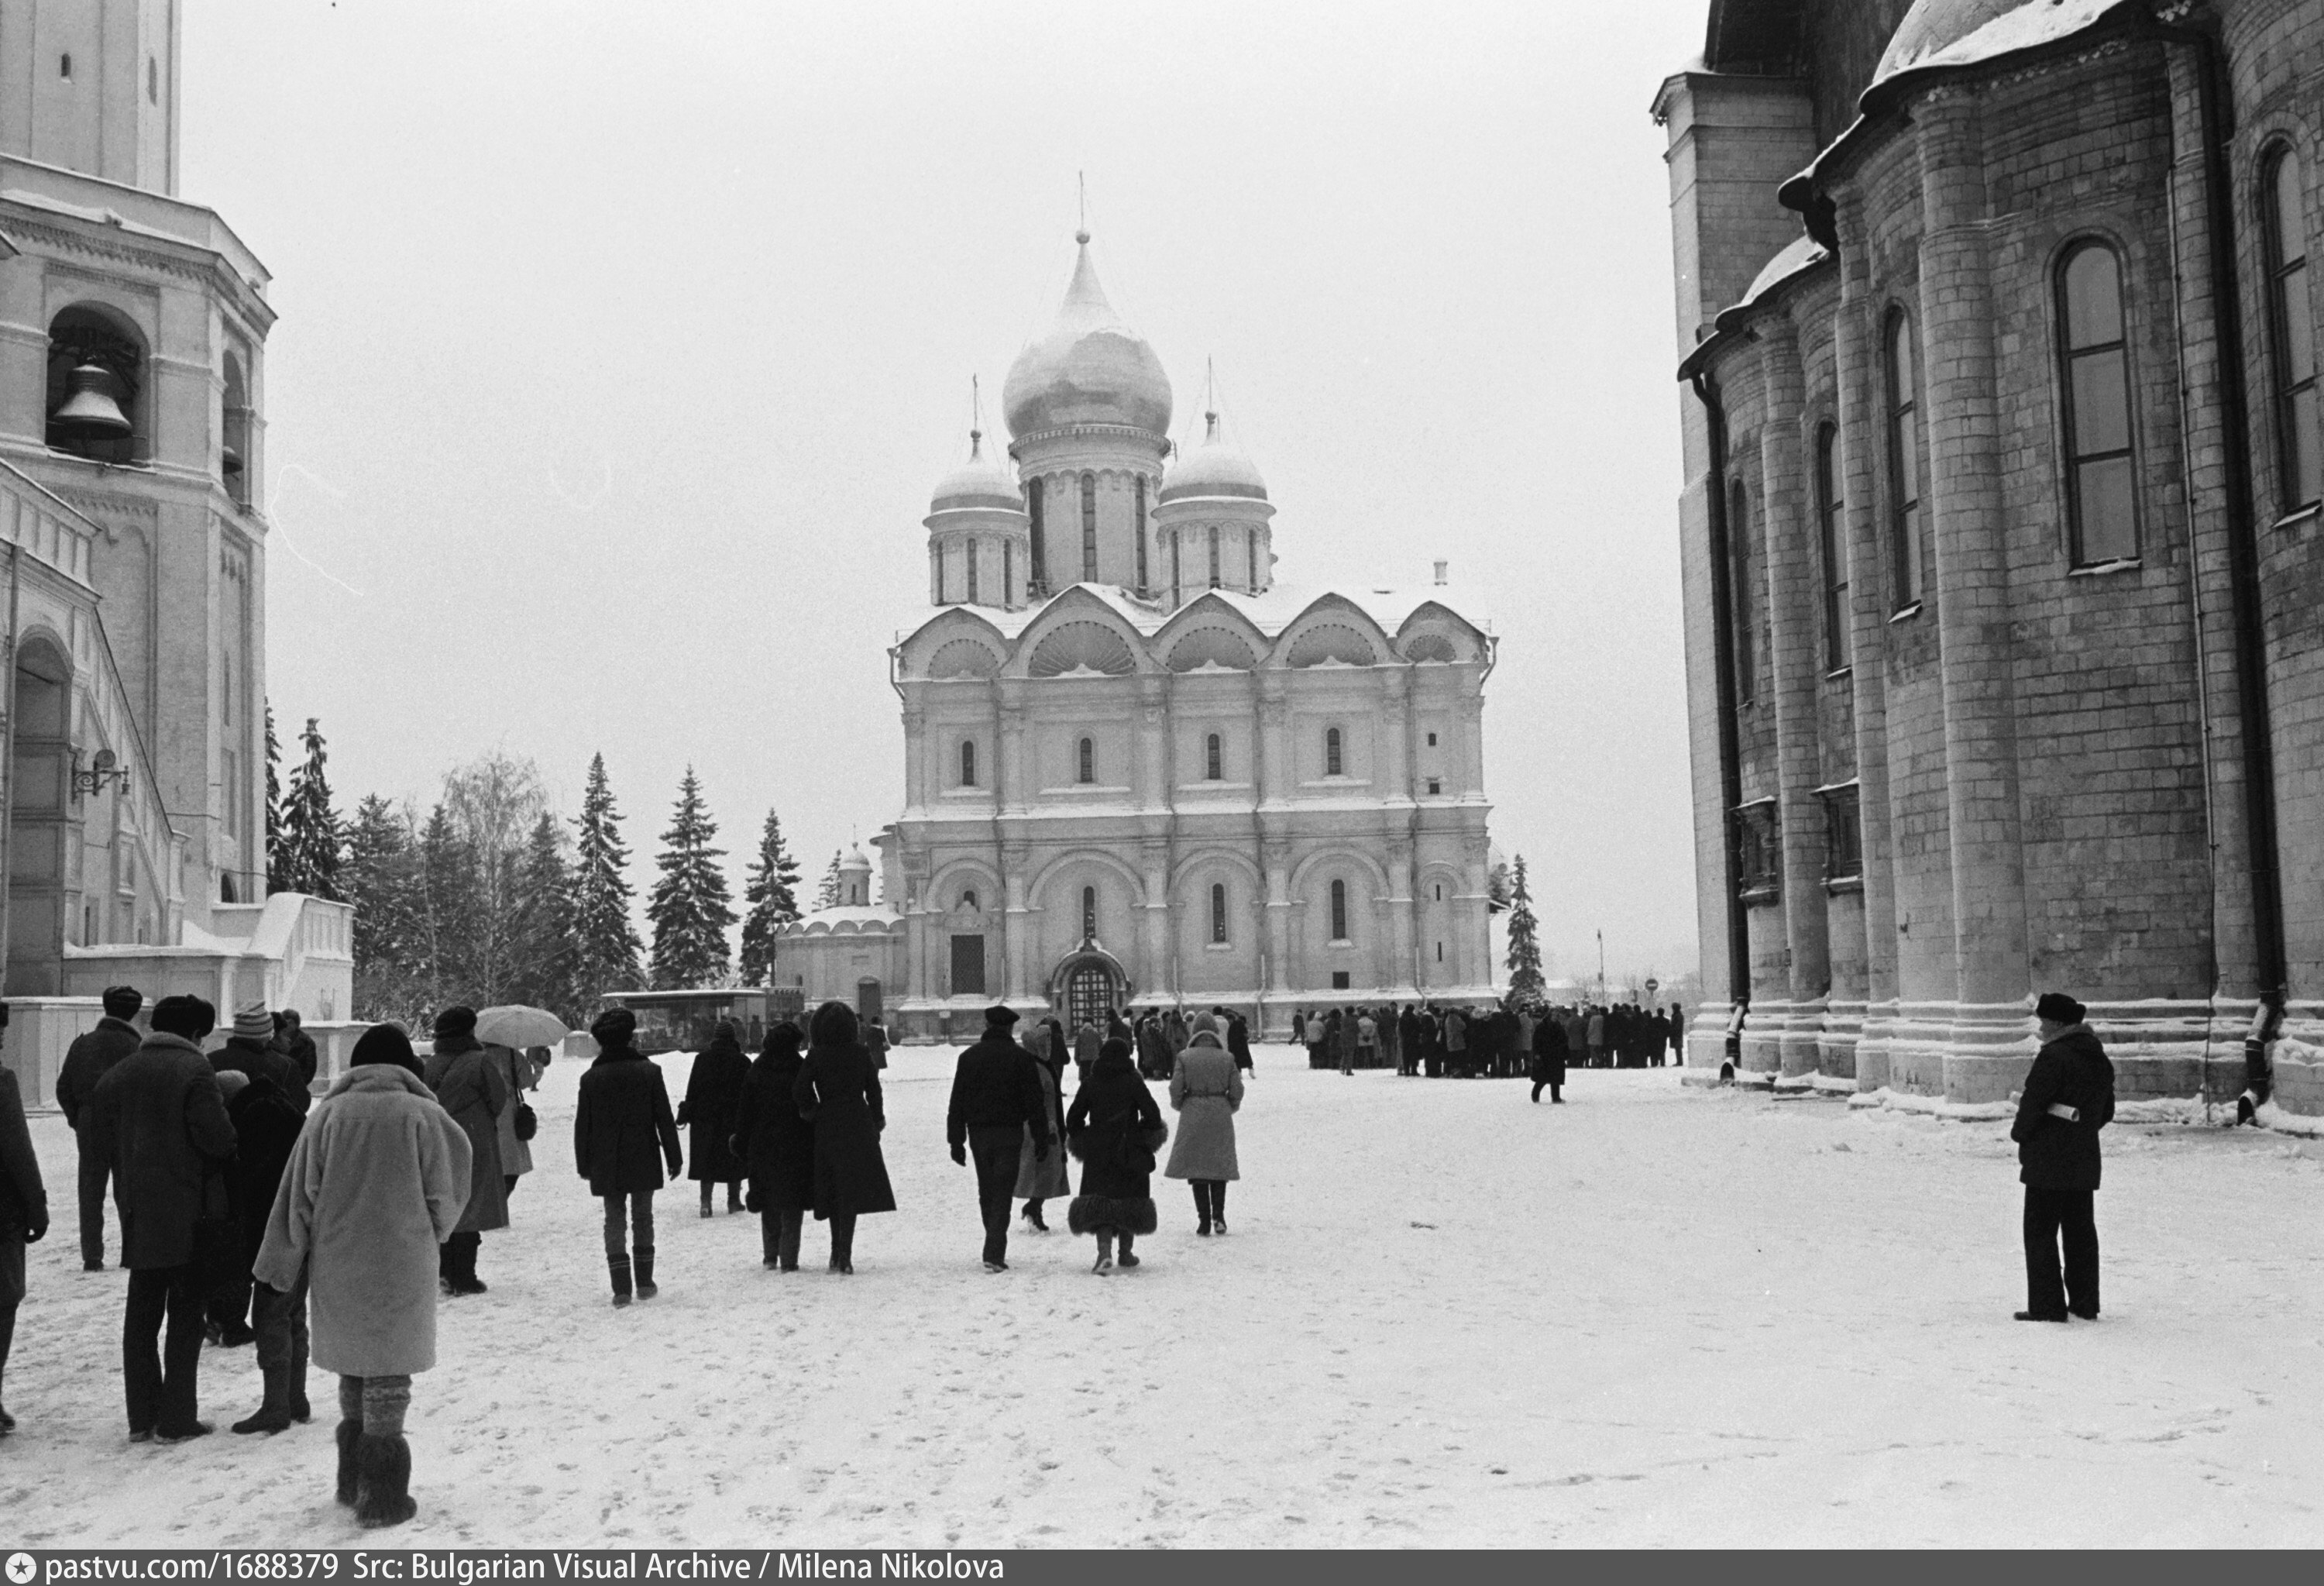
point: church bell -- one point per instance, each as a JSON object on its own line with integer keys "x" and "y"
{"x": 89, "y": 411}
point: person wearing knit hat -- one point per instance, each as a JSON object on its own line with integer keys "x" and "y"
{"x": 89, "y": 1058}
{"x": 2069, "y": 1097}
{"x": 474, "y": 1090}
{"x": 375, "y": 1185}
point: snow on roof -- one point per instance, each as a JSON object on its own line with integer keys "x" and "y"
{"x": 854, "y": 919}
{"x": 1967, "y": 32}
{"x": 1802, "y": 253}
{"x": 1271, "y": 612}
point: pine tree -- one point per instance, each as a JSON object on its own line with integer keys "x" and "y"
{"x": 310, "y": 836}
{"x": 605, "y": 944}
{"x": 380, "y": 876}
{"x": 772, "y": 893}
{"x": 543, "y": 975}
{"x": 689, "y": 907}
{"x": 827, "y": 891}
{"x": 276, "y": 858}
{"x": 1527, "y": 985}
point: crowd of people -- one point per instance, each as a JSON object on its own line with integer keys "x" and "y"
{"x": 1493, "y": 1041}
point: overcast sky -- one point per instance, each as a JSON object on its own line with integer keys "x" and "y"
{"x": 621, "y": 343}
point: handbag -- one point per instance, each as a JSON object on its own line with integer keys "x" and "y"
{"x": 528, "y": 1121}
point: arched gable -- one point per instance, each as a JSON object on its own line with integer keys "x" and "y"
{"x": 1435, "y": 631}
{"x": 1209, "y": 632}
{"x": 943, "y": 887}
{"x": 1332, "y": 631}
{"x": 1307, "y": 867}
{"x": 948, "y": 645}
{"x": 1233, "y": 858}
{"x": 1097, "y": 857}
{"x": 1079, "y": 632}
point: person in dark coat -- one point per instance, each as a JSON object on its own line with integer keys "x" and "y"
{"x": 1298, "y": 1028}
{"x": 88, "y": 1059}
{"x": 777, "y": 1148}
{"x": 266, "y": 1125}
{"x": 713, "y": 1091}
{"x": 294, "y": 1043}
{"x": 1154, "y": 1054}
{"x": 161, "y": 1121}
{"x": 622, "y": 1134}
{"x": 2069, "y": 1097}
{"x": 1407, "y": 1040}
{"x": 474, "y": 1089}
{"x": 1549, "y": 1055}
{"x": 24, "y": 1212}
{"x": 839, "y": 1090}
{"x": 250, "y": 1049}
{"x": 1116, "y": 1128}
{"x": 1238, "y": 1039}
{"x": 996, "y": 1102}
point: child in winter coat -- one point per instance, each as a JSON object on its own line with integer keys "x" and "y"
{"x": 623, "y": 1116}
{"x": 1115, "y": 1129}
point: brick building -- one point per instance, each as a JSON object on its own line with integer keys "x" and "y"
{"x": 2001, "y": 537}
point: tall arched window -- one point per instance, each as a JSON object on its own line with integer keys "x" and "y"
{"x": 1904, "y": 526}
{"x": 1214, "y": 555}
{"x": 1332, "y": 757}
{"x": 1212, "y": 769}
{"x": 1218, "y": 912}
{"x": 968, "y": 762}
{"x": 1038, "y": 573}
{"x": 968, "y": 548}
{"x": 1250, "y": 554}
{"x": 1835, "y": 547}
{"x": 2291, "y": 328}
{"x": 1177, "y": 567}
{"x": 1086, "y": 761}
{"x": 2101, "y": 493}
{"x": 1141, "y": 534}
{"x": 1089, "y": 914}
{"x": 1746, "y": 605}
{"x": 1089, "y": 528}
{"x": 1007, "y": 573}
{"x": 1339, "y": 911}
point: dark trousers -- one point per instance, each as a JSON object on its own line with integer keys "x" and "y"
{"x": 1554, "y": 1087}
{"x": 12, "y": 1292}
{"x": 733, "y": 1195}
{"x": 623, "y": 1213}
{"x": 1209, "y": 1200}
{"x": 95, "y": 1171}
{"x": 2049, "y": 1215}
{"x": 778, "y": 1237}
{"x": 843, "y": 1238}
{"x": 161, "y": 1384}
{"x": 279, "y": 1316}
{"x": 997, "y": 1153}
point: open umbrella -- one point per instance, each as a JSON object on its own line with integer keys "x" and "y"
{"x": 515, "y": 1025}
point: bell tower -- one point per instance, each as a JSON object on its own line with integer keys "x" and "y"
{"x": 91, "y": 86}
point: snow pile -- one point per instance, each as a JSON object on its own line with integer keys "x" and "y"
{"x": 1443, "y": 1317}
{"x": 1935, "y": 1106}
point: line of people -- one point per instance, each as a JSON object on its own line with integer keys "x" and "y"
{"x": 1488, "y": 1041}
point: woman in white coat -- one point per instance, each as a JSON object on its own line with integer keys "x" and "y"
{"x": 374, "y": 1186}
{"x": 1206, "y": 1091}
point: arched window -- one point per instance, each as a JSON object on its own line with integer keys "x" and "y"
{"x": 1038, "y": 572}
{"x": 1250, "y": 553}
{"x": 1903, "y": 460}
{"x": 1218, "y": 912}
{"x": 968, "y": 548}
{"x": 968, "y": 762}
{"x": 1177, "y": 568}
{"x": 1835, "y": 547}
{"x": 1089, "y": 528}
{"x": 1008, "y": 574}
{"x": 1142, "y": 533}
{"x": 1212, "y": 769}
{"x": 968, "y": 899}
{"x": 1339, "y": 911}
{"x": 153, "y": 80}
{"x": 943, "y": 566}
{"x": 1086, "y": 766}
{"x": 2292, "y": 329}
{"x": 64, "y": 67}
{"x": 95, "y": 385}
{"x": 234, "y": 431}
{"x": 1332, "y": 757}
{"x": 1214, "y": 555}
{"x": 1089, "y": 914}
{"x": 1746, "y": 606}
{"x": 2101, "y": 494}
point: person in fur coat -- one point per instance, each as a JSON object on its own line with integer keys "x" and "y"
{"x": 776, "y": 1148}
{"x": 839, "y": 1090}
{"x": 1115, "y": 1129}
{"x": 713, "y": 1091}
{"x": 1206, "y": 1092}
{"x": 374, "y": 1186}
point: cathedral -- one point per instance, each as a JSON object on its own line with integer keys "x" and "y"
{"x": 133, "y": 327}
{"x": 1139, "y": 769}
{"x": 2001, "y": 539}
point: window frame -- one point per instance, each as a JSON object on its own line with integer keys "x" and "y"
{"x": 1901, "y": 404}
{"x": 1086, "y": 762}
{"x": 967, "y": 762}
{"x": 1339, "y": 911}
{"x": 1838, "y": 645}
{"x": 2280, "y": 278}
{"x": 1213, "y": 760}
{"x": 1089, "y": 914}
{"x": 1037, "y": 537}
{"x": 1335, "y": 757}
{"x": 1218, "y": 914}
{"x": 2070, "y": 357}
{"x": 1142, "y": 584}
{"x": 1089, "y": 528}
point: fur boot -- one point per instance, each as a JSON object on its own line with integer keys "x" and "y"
{"x": 384, "y": 1481}
{"x": 349, "y": 1433}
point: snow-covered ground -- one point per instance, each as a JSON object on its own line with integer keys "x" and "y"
{"x": 1443, "y": 1316}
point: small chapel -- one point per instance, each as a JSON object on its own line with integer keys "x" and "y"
{"x": 1142, "y": 769}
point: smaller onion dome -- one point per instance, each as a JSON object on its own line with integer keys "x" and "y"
{"x": 1215, "y": 467}
{"x": 980, "y": 481}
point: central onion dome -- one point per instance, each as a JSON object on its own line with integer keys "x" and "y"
{"x": 1089, "y": 368}
{"x": 980, "y": 481}
{"x": 1214, "y": 469}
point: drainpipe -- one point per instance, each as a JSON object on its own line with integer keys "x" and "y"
{"x": 1730, "y": 749}
{"x": 2242, "y": 551}
{"x": 8, "y": 758}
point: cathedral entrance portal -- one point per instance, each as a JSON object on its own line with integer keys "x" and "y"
{"x": 1087, "y": 985}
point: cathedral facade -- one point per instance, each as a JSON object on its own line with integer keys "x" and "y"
{"x": 1139, "y": 769}
{"x": 2001, "y": 537}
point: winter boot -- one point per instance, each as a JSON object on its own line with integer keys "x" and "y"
{"x": 1104, "y": 1255}
{"x": 646, "y": 1287}
{"x": 619, "y": 1265}
{"x": 706, "y": 1187}
{"x": 787, "y": 1239}
{"x": 1126, "y": 1258}
{"x": 275, "y": 1411}
{"x": 384, "y": 1481}
{"x": 349, "y": 1433}
{"x": 733, "y": 1197}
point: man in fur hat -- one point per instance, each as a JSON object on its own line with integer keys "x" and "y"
{"x": 996, "y": 1100}
{"x": 2069, "y": 1097}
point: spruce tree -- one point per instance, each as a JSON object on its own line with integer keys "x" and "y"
{"x": 543, "y": 975}
{"x": 276, "y": 858}
{"x": 1527, "y": 985}
{"x": 690, "y": 906}
{"x": 827, "y": 891}
{"x": 310, "y": 837}
{"x": 379, "y": 875}
{"x": 772, "y": 893}
{"x": 605, "y": 944}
